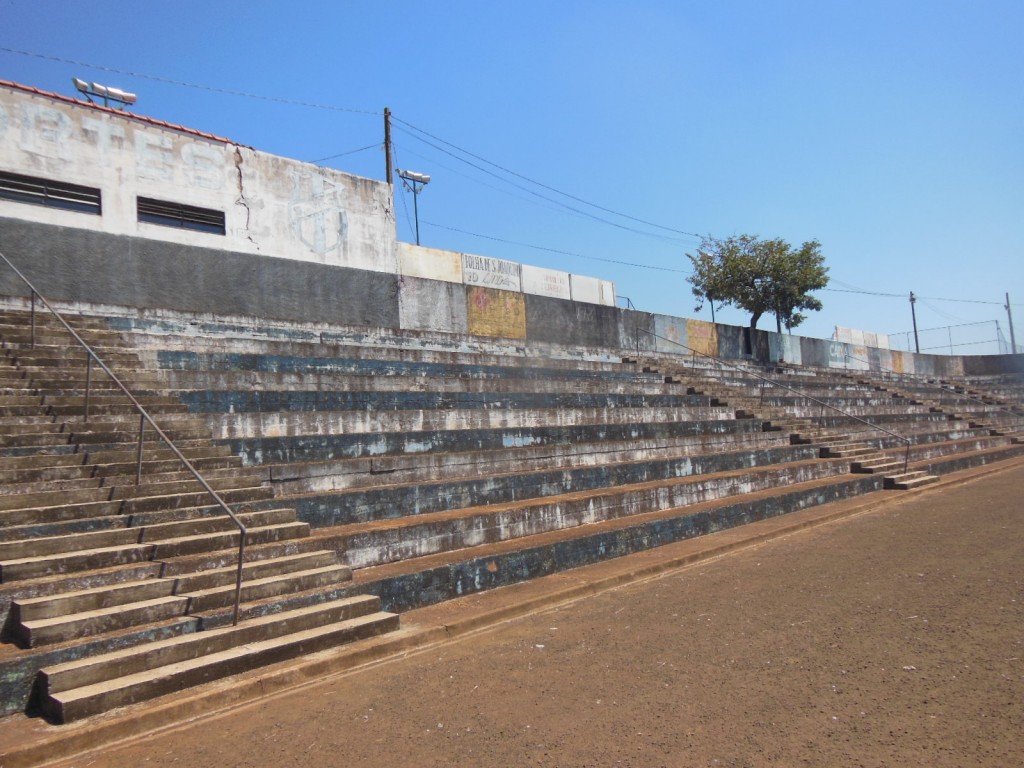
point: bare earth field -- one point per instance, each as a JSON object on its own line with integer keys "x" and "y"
{"x": 894, "y": 638}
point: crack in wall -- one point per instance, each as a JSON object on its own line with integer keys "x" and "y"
{"x": 241, "y": 198}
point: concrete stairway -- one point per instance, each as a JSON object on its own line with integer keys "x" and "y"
{"x": 106, "y": 582}
{"x": 424, "y": 466}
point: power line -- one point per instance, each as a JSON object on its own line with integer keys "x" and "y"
{"x": 508, "y": 192}
{"x": 552, "y": 250}
{"x": 342, "y": 154}
{"x": 185, "y": 84}
{"x": 538, "y": 194}
{"x": 905, "y": 296}
{"x": 534, "y": 181}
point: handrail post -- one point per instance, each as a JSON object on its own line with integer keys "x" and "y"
{"x": 143, "y": 418}
{"x": 88, "y": 380}
{"x": 238, "y": 576}
{"x": 761, "y": 401}
{"x": 906, "y": 458}
{"x": 138, "y": 458}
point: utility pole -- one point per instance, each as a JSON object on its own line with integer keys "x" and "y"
{"x": 389, "y": 175}
{"x": 1009, "y": 315}
{"x": 913, "y": 316}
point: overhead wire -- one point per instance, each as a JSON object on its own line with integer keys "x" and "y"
{"x": 545, "y": 197}
{"x": 342, "y": 154}
{"x": 552, "y": 250}
{"x": 186, "y": 84}
{"x": 478, "y": 181}
{"x": 543, "y": 185}
{"x": 405, "y": 205}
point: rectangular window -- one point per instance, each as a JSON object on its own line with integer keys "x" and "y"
{"x": 49, "y": 193}
{"x": 180, "y": 216}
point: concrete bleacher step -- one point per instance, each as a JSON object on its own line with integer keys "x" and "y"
{"x": 882, "y": 464}
{"x": 97, "y": 684}
{"x": 260, "y": 589}
{"x": 846, "y": 450}
{"x": 908, "y": 480}
{"x": 84, "y": 600}
{"x": 132, "y": 551}
{"x": 56, "y": 629}
{"x": 189, "y": 498}
{"x": 380, "y": 541}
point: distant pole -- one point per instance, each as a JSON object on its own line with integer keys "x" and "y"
{"x": 1009, "y": 315}
{"x": 389, "y": 175}
{"x": 913, "y": 316}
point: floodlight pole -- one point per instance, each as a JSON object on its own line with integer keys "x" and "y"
{"x": 388, "y": 171}
{"x": 411, "y": 180}
{"x": 913, "y": 316}
{"x": 1009, "y": 316}
{"x": 416, "y": 210}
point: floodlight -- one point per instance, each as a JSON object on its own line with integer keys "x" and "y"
{"x": 104, "y": 92}
{"x": 422, "y": 178}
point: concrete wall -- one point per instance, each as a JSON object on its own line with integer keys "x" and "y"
{"x": 83, "y": 266}
{"x": 309, "y": 244}
{"x": 75, "y": 265}
{"x": 272, "y": 205}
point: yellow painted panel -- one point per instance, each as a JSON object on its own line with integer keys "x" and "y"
{"x": 897, "y": 362}
{"x": 702, "y": 336}
{"x": 490, "y": 312}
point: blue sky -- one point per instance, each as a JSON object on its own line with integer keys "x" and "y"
{"x": 892, "y": 132}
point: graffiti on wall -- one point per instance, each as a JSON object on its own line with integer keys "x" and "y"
{"x": 316, "y": 212}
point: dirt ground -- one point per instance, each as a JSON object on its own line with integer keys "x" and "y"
{"x": 895, "y": 638}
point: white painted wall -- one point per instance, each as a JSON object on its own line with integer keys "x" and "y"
{"x": 272, "y": 205}
{"x": 593, "y": 290}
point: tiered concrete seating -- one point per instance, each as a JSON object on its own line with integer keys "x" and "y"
{"x": 903, "y": 427}
{"x": 409, "y": 466}
{"x": 96, "y": 570}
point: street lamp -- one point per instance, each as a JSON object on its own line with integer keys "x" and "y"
{"x": 410, "y": 179}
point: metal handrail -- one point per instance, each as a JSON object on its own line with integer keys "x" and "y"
{"x": 144, "y": 417}
{"x": 798, "y": 393}
{"x": 939, "y": 386}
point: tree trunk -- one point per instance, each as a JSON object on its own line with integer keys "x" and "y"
{"x": 753, "y": 320}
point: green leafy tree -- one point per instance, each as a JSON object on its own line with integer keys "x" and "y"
{"x": 759, "y": 276}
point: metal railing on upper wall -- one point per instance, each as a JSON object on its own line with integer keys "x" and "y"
{"x": 764, "y": 380}
{"x": 144, "y": 418}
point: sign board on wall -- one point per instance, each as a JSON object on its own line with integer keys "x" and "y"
{"x": 488, "y": 272}
{"x": 429, "y": 263}
{"x": 546, "y": 282}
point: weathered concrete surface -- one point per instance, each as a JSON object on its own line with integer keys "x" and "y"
{"x": 432, "y": 305}
{"x": 277, "y": 449}
{"x": 493, "y": 312}
{"x": 572, "y": 323}
{"x": 83, "y": 266}
{"x": 885, "y": 547}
